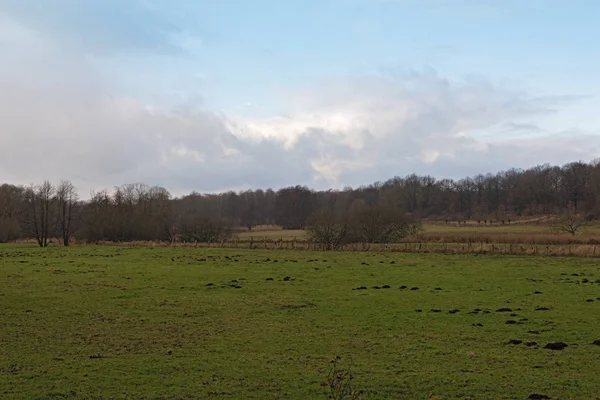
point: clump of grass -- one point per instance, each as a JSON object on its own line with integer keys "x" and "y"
{"x": 339, "y": 382}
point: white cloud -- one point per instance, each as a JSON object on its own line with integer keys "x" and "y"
{"x": 61, "y": 117}
{"x": 406, "y": 122}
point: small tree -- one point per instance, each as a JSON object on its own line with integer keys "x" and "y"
{"x": 203, "y": 229}
{"x": 40, "y": 200}
{"x": 67, "y": 197}
{"x": 324, "y": 228}
{"x": 378, "y": 224}
{"x": 339, "y": 382}
{"x": 569, "y": 222}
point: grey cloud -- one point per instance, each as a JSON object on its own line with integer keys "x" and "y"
{"x": 521, "y": 127}
{"x": 62, "y": 119}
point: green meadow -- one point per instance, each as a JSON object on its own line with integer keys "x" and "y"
{"x": 93, "y": 322}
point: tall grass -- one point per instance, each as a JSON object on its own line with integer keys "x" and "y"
{"x": 569, "y": 249}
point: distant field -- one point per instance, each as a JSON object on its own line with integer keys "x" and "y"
{"x": 513, "y": 228}
{"x": 189, "y": 323}
{"x": 433, "y": 229}
{"x": 272, "y": 233}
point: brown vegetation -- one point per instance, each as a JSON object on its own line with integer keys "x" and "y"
{"x": 139, "y": 212}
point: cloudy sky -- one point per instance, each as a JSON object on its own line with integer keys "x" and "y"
{"x": 234, "y": 94}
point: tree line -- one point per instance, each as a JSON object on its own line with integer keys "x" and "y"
{"x": 140, "y": 212}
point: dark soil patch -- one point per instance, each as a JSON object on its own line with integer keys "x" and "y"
{"x": 596, "y": 342}
{"x": 590, "y": 300}
{"x": 530, "y": 344}
{"x": 287, "y": 278}
{"x": 542, "y": 309}
{"x": 419, "y": 310}
{"x": 556, "y": 346}
{"x": 403, "y": 287}
{"x": 385, "y": 287}
{"x": 435, "y": 310}
{"x": 537, "y": 292}
{"x": 269, "y": 279}
{"x": 360, "y": 288}
{"x": 414, "y": 288}
{"x": 477, "y": 324}
{"x": 511, "y": 322}
{"x": 453, "y": 311}
{"x": 515, "y": 341}
{"x": 296, "y": 306}
{"x": 438, "y": 288}
{"x": 504, "y": 309}
{"x": 536, "y": 396}
{"x": 534, "y": 332}
{"x": 375, "y": 287}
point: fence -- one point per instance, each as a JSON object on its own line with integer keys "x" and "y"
{"x": 268, "y": 243}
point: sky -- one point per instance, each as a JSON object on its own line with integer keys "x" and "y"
{"x": 208, "y": 96}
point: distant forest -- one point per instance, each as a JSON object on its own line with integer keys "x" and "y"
{"x": 140, "y": 212}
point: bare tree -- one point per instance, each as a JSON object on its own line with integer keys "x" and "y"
{"x": 377, "y": 224}
{"x": 325, "y": 229}
{"x": 67, "y": 197}
{"x": 39, "y": 199}
{"x": 11, "y": 198}
{"x": 569, "y": 222}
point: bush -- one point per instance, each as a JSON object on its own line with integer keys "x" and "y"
{"x": 365, "y": 224}
{"x": 324, "y": 228}
{"x": 339, "y": 382}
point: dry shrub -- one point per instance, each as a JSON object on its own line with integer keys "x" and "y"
{"x": 339, "y": 382}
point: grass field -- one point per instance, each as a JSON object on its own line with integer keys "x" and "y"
{"x": 187, "y": 323}
{"x": 273, "y": 232}
{"x": 527, "y": 232}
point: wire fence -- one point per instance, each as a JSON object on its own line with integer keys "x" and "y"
{"x": 269, "y": 243}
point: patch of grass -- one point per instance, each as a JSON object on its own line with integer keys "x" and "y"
{"x": 530, "y": 233}
{"x": 272, "y": 234}
{"x": 187, "y": 323}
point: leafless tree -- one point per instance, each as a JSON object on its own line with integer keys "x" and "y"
{"x": 11, "y": 199}
{"x": 569, "y": 222}
{"x": 39, "y": 199}
{"x": 377, "y": 224}
{"x": 67, "y": 198}
{"x": 324, "y": 228}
